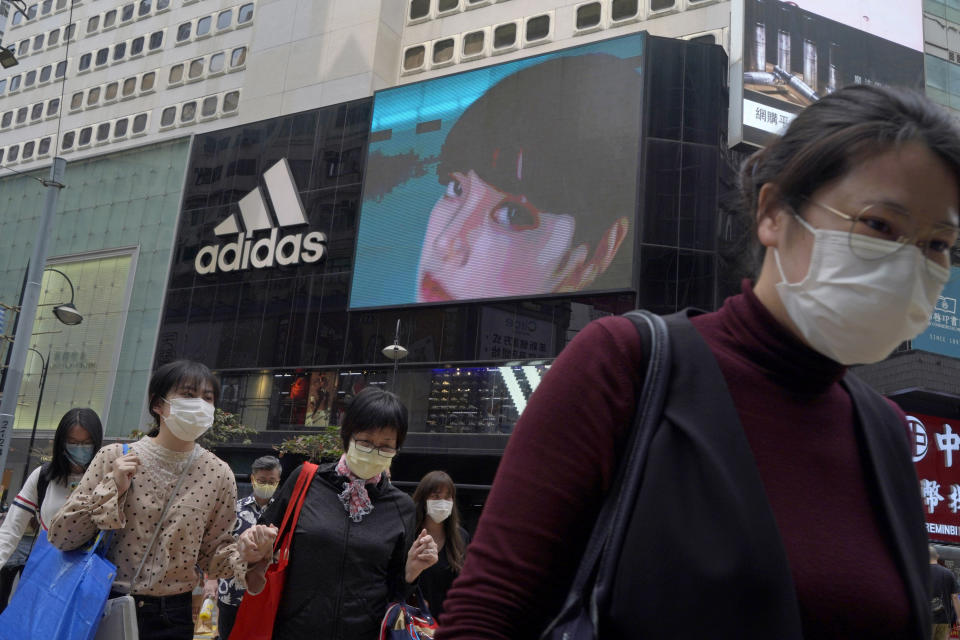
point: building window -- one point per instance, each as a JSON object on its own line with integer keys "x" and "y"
{"x": 147, "y": 81}
{"x": 29, "y": 79}
{"x": 13, "y": 153}
{"x": 38, "y": 41}
{"x": 22, "y": 115}
{"x": 84, "y": 62}
{"x": 129, "y": 87}
{"x": 36, "y": 112}
{"x": 203, "y": 26}
{"x": 183, "y": 32}
{"x": 196, "y": 69}
{"x": 119, "y": 51}
{"x": 93, "y": 24}
{"x": 708, "y": 38}
{"x": 44, "y": 147}
{"x": 28, "y": 150}
{"x": 120, "y": 128}
{"x": 168, "y": 116}
{"x": 419, "y": 9}
{"x": 45, "y": 7}
{"x": 53, "y": 107}
{"x": 144, "y": 8}
{"x": 176, "y": 74}
{"x": 505, "y": 36}
{"x": 136, "y": 46}
{"x": 15, "y": 83}
{"x": 103, "y": 132}
{"x": 68, "y": 139}
{"x": 239, "y": 57}
{"x": 224, "y": 19}
{"x": 85, "y": 135}
{"x": 538, "y": 28}
{"x": 188, "y": 111}
{"x": 76, "y": 100}
{"x": 217, "y": 61}
{"x": 69, "y": 32}
{"x": 588, "y": 15}
{"x": 32, "y": 12}
{"x": 45, "y": 73}
{"x": 7, "y": 119}
{"x": 111, "y": 90}
{"x": 209, "y": 106}
{"x": 24, "y": 47}
{"x": 245, "y": 14}
{"x": 140, "y": 123}
{"x": 443, "y": 51}
{"x": 93, "y": 96}
{"x": 109, "y": 18}
{"x": 102, "y": 56}
{"x": 61, "y": 69}
{"x": 156, "y": 40}
{"x": 53, "y": 37}
{"x": 414, "y": 57}
{"x": 163, "y": 5}
{"x": 126, "y": 13}
{"x": 473, "y": 43}
{"x": 444, "y": 6}
{"x": 17, "y": 18}
{"x": 231, "y": 101}
{"x": 660, "y": 5}
{"x": 624, "y": 9}
{"x": 3, "y": 85}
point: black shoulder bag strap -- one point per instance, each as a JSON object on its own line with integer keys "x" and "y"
{"x": 42, "y": 482}
{"x": 580, "y": 615}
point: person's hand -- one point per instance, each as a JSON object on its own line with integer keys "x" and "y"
{"x": 256, "y": 543}
{"x": 423, "y": 554}
{"x": 124, "y": 468}
{"x": 210, "y": 589}
{"x": 256, "y": 577}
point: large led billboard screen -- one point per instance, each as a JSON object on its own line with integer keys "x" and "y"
{"x": 514, "y": 180}
{"x": 793, "y": 53}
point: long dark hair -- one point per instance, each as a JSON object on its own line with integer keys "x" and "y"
{"x": 172, "y": 376}
{"x": 59, "y": 468}
{"x": 827, "y": 139}
{"x": 455, "y": 545}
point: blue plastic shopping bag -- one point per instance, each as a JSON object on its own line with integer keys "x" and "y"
{"x": 61, "y": 595}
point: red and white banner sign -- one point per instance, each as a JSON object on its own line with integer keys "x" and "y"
{"x": 935, "y": 444}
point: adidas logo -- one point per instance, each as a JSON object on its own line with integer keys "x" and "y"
{"x": 247, "y": 253}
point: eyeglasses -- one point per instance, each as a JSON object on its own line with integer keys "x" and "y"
{"x": 365, "y": 446}
{"x": 885, "y": 222}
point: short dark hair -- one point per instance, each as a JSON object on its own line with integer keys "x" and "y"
{"x": 265, "y": 463}
{"x": 558, "y": 115}
{"x": 374, "y": 408}
{"x": 830, "y": 136}
{"x": 59, "y": 468}
{"x": 171, "y": 376}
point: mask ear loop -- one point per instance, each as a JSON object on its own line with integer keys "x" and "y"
{"x": 776, "y": 254}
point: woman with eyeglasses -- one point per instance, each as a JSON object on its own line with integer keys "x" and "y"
{"x": 798, "y": 515}
{"x": 355, "y": 548}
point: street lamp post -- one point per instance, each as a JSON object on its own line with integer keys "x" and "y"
{"x": 36, "y": 415}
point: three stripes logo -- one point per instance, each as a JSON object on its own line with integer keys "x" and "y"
{"x": 268, "y": 251}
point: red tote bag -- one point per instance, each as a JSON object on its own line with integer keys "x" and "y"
{"x": 257, "y": 613}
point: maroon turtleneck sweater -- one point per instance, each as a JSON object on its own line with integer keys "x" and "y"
{"x": 799, "y": 422}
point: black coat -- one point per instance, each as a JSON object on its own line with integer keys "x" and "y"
{"x": 342, "y": 574}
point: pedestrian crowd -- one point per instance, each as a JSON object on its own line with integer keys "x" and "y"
{"x": 724, "y": 474}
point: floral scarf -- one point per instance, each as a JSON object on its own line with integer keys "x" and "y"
{"x": 354, "y": 497}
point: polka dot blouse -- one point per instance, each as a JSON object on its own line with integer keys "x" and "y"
{"x": 195, "y": 532}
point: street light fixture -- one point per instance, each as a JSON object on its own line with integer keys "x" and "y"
{"x": 7, "y": 58}
{"x": 396, "y": 353}
{"x": 66, "y": 313}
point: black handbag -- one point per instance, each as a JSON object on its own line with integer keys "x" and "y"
{"x": 590, "y": 592}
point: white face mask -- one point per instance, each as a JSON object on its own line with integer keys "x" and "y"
{"x": 366, "y": 465}
{"x": 189, "y": 418}
{"x": 857, "y": 311}
{"x": 439, "y": 510}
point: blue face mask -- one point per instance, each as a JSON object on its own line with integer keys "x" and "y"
{"x": 80, "y": 454}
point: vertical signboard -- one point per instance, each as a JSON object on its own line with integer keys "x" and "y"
{"x": 790, "y": 54}
{"x": 935, "y": 444}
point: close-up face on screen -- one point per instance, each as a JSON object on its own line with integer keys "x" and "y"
{"x": 510, "y": 181}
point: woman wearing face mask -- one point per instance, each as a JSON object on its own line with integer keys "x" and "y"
{"x": 436, "y": 502}
{"x": 77, "y": 439}
{"x": 354, "y": 548}
{"x": 127, "y": 493}
{"x": 798, "y": 514}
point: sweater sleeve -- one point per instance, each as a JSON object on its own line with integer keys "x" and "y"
{"x": 548, "y": 489}
{"x": 23, "y": 508}
{"x": 95, "y": 504}
{"x": 219, "y": 557}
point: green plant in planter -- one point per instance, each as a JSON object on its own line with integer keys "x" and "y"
{"x": 226, "y": 429}
{"x": 317, "y": 447}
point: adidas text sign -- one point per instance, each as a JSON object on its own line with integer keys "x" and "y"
{"x": 248, "y": 252}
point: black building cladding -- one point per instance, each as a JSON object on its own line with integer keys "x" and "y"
{"x": 288, "y": 349}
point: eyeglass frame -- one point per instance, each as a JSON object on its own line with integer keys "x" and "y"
{"x": 902, "y": 240}
{"x": 365, "y": 446}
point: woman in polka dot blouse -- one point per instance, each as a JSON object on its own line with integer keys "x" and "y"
{"x": 127, "y": 494}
